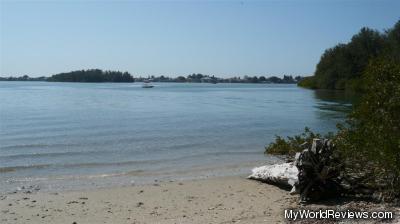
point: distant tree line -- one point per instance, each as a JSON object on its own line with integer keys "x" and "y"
{"x": 92, "y": 75}
{"x": 200, "y": 78}
{"x": 343, "y": 66}
{"x": 97, "y": 75}
{"x": 23, "y": 78}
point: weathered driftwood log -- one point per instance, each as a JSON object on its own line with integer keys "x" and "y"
{"x": 283, "y": 175}
{"x": 319, "y": 171}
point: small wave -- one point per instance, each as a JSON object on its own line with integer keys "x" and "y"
{"x": 122, "y": 163}
{"x": 73, "y": 165}
{"x": 67, "y": 177}
{"x": 24, "y": 146}
{"x": 49, "y": 154}
{"x": 15, "y": 168}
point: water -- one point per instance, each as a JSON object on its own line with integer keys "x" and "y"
{"x": 82, "y": 135}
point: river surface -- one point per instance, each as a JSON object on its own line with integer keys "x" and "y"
{"x": 82, "y": 135}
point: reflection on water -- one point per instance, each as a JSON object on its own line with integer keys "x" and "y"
{"x": 337, "y": 96}
{"x": 334, "y": 104}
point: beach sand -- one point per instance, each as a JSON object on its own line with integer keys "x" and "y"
{"x": 214, "y": 200}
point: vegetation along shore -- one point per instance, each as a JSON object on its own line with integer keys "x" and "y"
{"x": 366, "y": 146}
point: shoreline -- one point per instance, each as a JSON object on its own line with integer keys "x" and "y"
{"x": 210, "y": 200}
{"x": 68, "y": 183}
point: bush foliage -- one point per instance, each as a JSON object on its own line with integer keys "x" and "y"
{"x": 369, "y": 141}
{"x": 291, "y": 145}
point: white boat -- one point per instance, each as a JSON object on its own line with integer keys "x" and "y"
{"x": 147, "y": 84}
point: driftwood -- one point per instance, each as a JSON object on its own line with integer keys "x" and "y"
{"x": 319, "y": 171}
{"x": 283, "y": 175}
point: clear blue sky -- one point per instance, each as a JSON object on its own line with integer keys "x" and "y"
{"x": 224, "y": 38}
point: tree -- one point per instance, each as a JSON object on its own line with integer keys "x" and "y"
{"x": 343, "y": 66}
{"x": 392, "y": 48}
{"x": 274, "y": 79}
{"x": 181, "y": 79}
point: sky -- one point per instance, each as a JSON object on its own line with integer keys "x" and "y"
{"x": 222, "y": 38}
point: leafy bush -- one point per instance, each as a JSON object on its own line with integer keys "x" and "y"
{"x": 371, "y": 139}
{"x": 291, "y": 145}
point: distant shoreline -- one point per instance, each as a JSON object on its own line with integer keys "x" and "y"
{"x": 99, "y": 76}
{"x": 260, "y": 83}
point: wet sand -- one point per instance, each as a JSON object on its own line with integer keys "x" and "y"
{"x": 214, "y": 200}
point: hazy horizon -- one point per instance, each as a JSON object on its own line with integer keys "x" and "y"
{"x": 225, "y": 39}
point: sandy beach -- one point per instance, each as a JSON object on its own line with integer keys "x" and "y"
{"x": 214, "y": 200}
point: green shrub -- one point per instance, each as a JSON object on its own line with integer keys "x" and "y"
{"x": 371, "y": 139}
{"x": 291, "y": 145}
